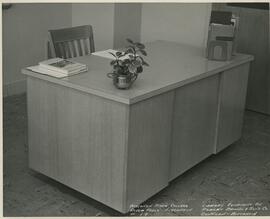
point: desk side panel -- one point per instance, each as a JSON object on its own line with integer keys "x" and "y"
{"x": 232, "y": 105}
{"x": 148, "y": 147}
{"x": 42, "y": 128}
{"x": 194, "y": 121}
{"x": 79, "y": 140}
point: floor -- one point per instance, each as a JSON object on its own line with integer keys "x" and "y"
{"x": 234, "y": 182}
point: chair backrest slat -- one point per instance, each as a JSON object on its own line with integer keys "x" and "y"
{"x": 72, "y": 42}
{"x": 57, "y": 48}
{"x": 92, "y": 45}
{"x": 65, "y": 49}
{"x": 79, "y": 47}
{"x": 73, "y": 48}
{"x": 62, "y": 50}
{"x": 85, "y": 46}
{"x": 68, "y": 49}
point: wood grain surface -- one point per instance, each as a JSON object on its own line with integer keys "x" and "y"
{"x": 194, "y": 120}
{"x": 79, "y": 140}
{"x": 233, "y": 93}
{"x": 149, "y": 142}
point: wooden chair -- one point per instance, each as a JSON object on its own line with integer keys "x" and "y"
{"x": 73, "y": 42}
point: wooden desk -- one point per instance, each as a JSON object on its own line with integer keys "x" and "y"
{"x": 120, "y": 147}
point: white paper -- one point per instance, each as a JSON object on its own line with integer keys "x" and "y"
{"x": 106, "y": 54}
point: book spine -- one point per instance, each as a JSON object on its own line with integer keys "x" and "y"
{"x": 77, "y": 69}
{"x": 74, "y": 66}
{"x": 65, "y": 71}
{"x": 77, "y": 72}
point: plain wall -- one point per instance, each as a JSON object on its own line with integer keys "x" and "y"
{"x": 179, "y": 22}
{"x": 127, "y": 23}
{"x": 25, "y": 28}
{"x": 101, "y": 17}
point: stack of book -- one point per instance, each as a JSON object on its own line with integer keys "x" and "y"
{"x": 58, "y": 67}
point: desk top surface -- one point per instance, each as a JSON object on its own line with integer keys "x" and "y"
{"x": 172, "y": 65}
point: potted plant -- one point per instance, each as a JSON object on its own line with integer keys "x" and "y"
{"x": 127, "y": 64}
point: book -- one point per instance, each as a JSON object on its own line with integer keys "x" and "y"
{"x": 55, "y": 74}
{"x": 62, "y": 65}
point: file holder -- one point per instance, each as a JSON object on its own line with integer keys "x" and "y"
{"x": 220, "y": 50}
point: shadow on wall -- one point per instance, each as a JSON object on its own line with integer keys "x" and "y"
{"x": 25, "y": 29}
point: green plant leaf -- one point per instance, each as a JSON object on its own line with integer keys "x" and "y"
{"x": 123, "y": 54}
{"x": 140, "y": 69}
{"x": 118, "y": 53}
{"x": 143, "y": 52}
{"x": 137, "y": 62}
{"x": 126, "y": 61}
{"x": 145, "y": 63}
{"x": 139, "y": 57}
{"x": 128, "y": 51}
{"x": 140, "y": 45}
{"x": 113, "y": 62}
{"x": 132, "y": 68}
{"x": 120, "y": 62}
{"x": 130, "y": 41}
{"x": 112, "y": 54}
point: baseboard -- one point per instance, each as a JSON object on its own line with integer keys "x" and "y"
{"x": 16, "y": 87}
